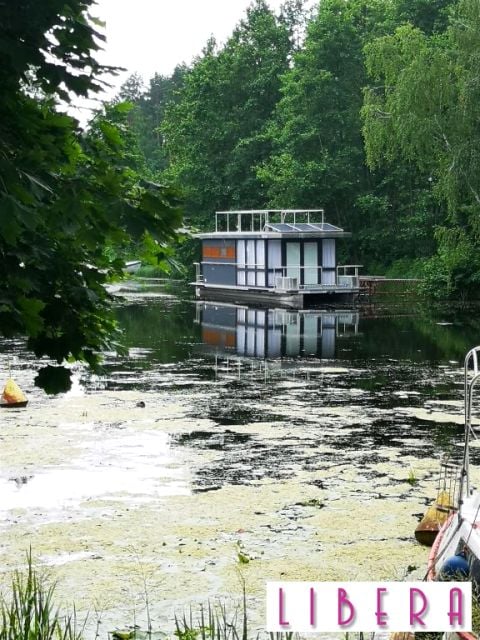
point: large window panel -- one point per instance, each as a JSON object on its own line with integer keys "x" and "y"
{"x": 274, "y": 261}
{"x": 260, "y": 278}
{"x": 310, "y": 261}
{"x": 293, "y": 260}
{"x": 328, "y": 277}
{"x": 260, "y": 253}
{"x": 328, "y": 254}
{"x": 241, "y": 253}
{"x": 251, "y": 253}
{"x": 274, "y": 254}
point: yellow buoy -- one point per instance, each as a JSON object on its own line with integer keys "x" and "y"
{"x": 12, "y": 394}
{"x": 435, "y": 516}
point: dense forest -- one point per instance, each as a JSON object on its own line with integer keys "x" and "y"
{"x": 367, "y": 108}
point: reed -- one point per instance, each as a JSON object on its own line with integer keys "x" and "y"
{"x": 28, "y": 613}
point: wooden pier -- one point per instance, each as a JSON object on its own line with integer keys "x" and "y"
{"x": 380, "y": 285}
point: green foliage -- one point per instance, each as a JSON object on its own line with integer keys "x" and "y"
{"x": 367, "y": 108}
{"x": 65, "y": 195}
{"x": 423, "y": 108}
{"x": 412, "y": 478}
{"x": 428, "y": 15}
{"x": 316, "y": 137}
{"x": 454, "y": 272}
{"x": 148, "y": 106}
{"x": 318, "y": 154}
{"x": 30, "y": 614}
{"x": 216, "y": 622}
{"x": 214, "y": 132}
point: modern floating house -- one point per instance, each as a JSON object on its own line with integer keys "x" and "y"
{"x": 274, "y": 257}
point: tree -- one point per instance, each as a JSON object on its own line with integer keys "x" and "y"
{"x": 318, "y": 154}
{"x": 148, "y": 114}
{"x": 428, "y": 15}
{"x": 424, "y": 108}
{"x": 214, "y": 132}
{"x": 64, "y": 194}
{"x": 318, "y": 157}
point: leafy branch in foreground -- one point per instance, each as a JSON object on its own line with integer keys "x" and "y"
{"x": 65, "y": 195}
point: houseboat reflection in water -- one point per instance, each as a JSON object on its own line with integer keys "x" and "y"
{"x": 247, "y": 332}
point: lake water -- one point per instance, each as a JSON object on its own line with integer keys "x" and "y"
{"x": 284, "y": 438}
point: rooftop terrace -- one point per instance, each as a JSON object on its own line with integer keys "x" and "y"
{"x": 279, "y": 220}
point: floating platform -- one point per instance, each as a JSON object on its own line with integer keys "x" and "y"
{"x": 279, "y": 257}
{"x": 291, "y": 299}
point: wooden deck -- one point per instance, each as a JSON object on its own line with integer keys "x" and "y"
{"x": 379, "y": 285}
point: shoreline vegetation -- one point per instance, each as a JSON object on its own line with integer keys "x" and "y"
{"x": 366, "y": 108}
{"x": 29, "y": 612}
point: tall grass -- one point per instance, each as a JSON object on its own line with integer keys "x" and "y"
{"x": 28, "y": 613}
{"x": 215, "y": 622}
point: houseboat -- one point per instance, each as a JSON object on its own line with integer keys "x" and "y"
{"x": 274, "y": 257}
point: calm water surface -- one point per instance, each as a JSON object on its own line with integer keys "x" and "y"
{"x": 243, "y": 364}
{"x": 287, "y": 430}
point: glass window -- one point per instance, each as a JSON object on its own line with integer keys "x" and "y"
{"x": 274, "y": 254}
{"x": 310, "y": 260}
{"x": 251, "y": 253}
{"x": 260, "y": 253}
{"x": 328, "y": 277}
{"x": 293, "y": 260}
{"x": 241, "y": 253}
{"x": 328, "y": 254}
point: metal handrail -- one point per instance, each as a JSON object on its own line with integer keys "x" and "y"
{"x": 471, "y": 377}
{"x": 264, "y": 218}
{"x": 282, "y": 271}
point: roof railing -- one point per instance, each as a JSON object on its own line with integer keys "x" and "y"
{"x": 255, "y": 220}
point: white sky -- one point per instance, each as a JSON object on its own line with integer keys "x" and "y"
{"x": 148, "y": 36}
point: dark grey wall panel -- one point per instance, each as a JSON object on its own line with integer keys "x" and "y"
{"x": 219, "y": 274}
